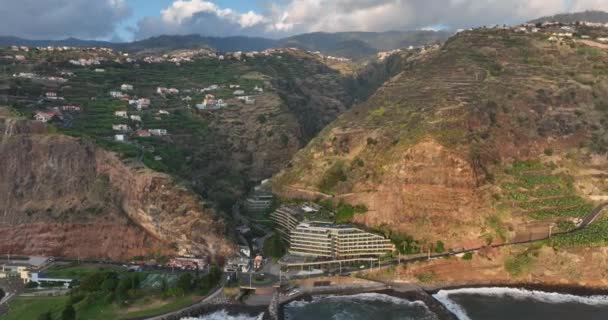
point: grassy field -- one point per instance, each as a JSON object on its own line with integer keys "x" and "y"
{"x": 26, "y": 308}
{"x": 77, "y": 271}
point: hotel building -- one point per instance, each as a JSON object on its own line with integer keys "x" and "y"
{"x": 328, "y": 240}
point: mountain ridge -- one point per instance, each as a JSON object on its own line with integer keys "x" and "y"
{"x": 348, "y": 44}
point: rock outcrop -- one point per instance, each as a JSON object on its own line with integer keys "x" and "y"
{"x": 64, "y": 196}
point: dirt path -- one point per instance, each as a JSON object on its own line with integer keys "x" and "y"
{"x": 594, "y": 44}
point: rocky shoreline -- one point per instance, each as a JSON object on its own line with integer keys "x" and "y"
{"x": 424, "y": 294}
{"x": 578, "y": 290}
{"x": 231, "y": 309}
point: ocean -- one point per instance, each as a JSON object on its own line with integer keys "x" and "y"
{"x": 465, "y": 304}
{"x": 520, "y": 304}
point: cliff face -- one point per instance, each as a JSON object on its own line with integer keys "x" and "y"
{"x": 428, "y": 153}
{"x": 63, "y": 196}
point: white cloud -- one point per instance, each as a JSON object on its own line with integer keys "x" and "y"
{"x": 54, "y": 19}
{"x": 200, "y": 16}
{"x": 284, "y": 17}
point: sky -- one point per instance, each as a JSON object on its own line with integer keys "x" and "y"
{"x": 128, "y": 20}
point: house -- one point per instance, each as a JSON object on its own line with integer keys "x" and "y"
{"x": 247, "y": 99}
{"x": 136, "y": 118}
{"x": 116, "y": 94}
{"x": 142, "y": 133}
{"x": 70, "y": 108}
{"x": 163, "y": 112}
{"x": 44, "y": 116}
{"x": 143, "y": 103}
{"x": 19, "y": 57}
{"x": 120, "y": 127}
{"x": 239, "y": 92}
{"x": 41, "y": 278}
{"x": 257, "y": 262}
{"x": 121, "y": 113}
{"x": 126, "y": 87}
{"x": 51, "y": 95}
{"x": 163, "y": 90}
{"x": 234, "y": 86}
{"x": 158, "y": 132}
{"x": 100, "y": 70}
{"x": 119, "y": 137}
{"x": 245, "y": 251}
{"x": 258, "y": 89}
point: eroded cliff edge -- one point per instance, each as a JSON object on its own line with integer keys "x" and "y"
{"x": 64, "y": 196}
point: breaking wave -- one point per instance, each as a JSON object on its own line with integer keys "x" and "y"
{"x": 361, "y": 297}
{"x": 224, "y": 315}
{"x": 443, "y": 296}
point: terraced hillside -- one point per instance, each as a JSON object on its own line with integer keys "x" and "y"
{"x": 436, "y": 152}
{"x": 219, "y": 152}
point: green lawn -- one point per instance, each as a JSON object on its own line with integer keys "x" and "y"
{"x": 76, "y": 271}
{"x": 26, "y": 308}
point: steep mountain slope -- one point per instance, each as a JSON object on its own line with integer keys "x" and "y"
{"x": 66, "y": 197}
{"x": 362, "y": 44}
{"x": 435, "y": 152}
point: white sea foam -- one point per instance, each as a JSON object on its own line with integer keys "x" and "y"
{"x": 443, "y": 296}
{"x": 361, "y": 297}
{"x": 223, "y": 315}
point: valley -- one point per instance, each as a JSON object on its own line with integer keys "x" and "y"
{"x": 348, "y": 163}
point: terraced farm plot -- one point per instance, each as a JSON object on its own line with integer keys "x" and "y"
{"x": 537, "y": 192}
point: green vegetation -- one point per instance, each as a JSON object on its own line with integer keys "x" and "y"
{"x": 534, "y": 190}
{"x": 593, "y": 235}
{"x": 468, "y": 256}
{"x": 517, "y": 265}
{"x": 274, "y": 246}
{"x": 78, "y": 271}
{"x": 439, "y": 247}
{"x": 35, "y": 307}
{"x": 426, "y": 277}
{"x": 344, "y": 212}
{"x": 404, "y": 243}
{"x": 106, "y": 293}
{"x": 334, "y": 175}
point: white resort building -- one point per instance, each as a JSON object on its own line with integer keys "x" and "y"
{"x": 328, "y": 240}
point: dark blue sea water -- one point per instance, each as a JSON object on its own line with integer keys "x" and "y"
{"x": 466, "y": 304}
{"x": 357, "y": 307}
{"x": 518, "y": 304}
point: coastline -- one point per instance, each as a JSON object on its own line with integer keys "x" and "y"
{"x": 231, "y": 309}
{"x": 578, "y": 290}
{"x": 415, "y": 292}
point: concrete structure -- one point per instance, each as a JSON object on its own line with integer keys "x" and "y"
{"x": 122, "y": 114}
{"x": 40, "y": 278}
{"x": 328, "y": 240}
{"x": 120, "y": 127}
{"x": 158, "y": 132}
{"x": 259, "y": 201}
{"x": 286, "y": 219}
{"x": 44, "y": 116}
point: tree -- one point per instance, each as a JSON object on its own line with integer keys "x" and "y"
{"x": 45, "y": 316}
{"x": 68, "y": 313}
{"x": 439, "y": 247}
{"x": 184, "y": 282}
{"x": 2, "y": 293}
